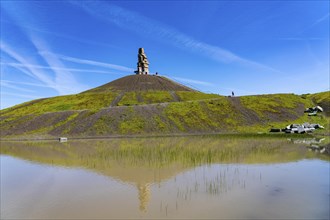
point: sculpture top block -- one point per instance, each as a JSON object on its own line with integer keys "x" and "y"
{"x": 143, "y": 64}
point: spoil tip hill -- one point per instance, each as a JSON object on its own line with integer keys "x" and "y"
{"x": 150, "y": 104}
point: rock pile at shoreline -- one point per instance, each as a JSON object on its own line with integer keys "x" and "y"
{"x": 298, "y": 128}
{"x": 314, "y": 110}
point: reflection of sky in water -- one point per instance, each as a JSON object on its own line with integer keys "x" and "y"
{"x": 289, "y": 190}
{"x": 252, "y": 191}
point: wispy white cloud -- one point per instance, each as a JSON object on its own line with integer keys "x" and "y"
{"x": 140, "y": 24}
{"x": 25, "y": 83}
{"x": 321, "y": 19}
{"x": 63, "y": 81}
{"x": 28, "y": 70}
{"x": 61, "y": 35}
{"x": 90, "y": 62}
{"x": 197, "y": 82}
{"x": 301, "y": 38}
{"x": 318, "y": 21}
{"x": 20, "y": 95}
{"x": 56, "y": 68}
{"x": 11, "y": 86}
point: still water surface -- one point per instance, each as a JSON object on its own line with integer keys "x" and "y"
{"x": 195, "y": 177}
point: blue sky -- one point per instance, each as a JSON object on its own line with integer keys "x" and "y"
{"x": 51, "y": 48}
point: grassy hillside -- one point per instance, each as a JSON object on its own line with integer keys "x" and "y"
{"x": 96, "y": 114}
{"x": 90, "y": 101}
{"x": 94, "y": 101}
{"x": 322, "y": 99}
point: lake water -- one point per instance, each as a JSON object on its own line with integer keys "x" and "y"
{"x": 181, "y": 177}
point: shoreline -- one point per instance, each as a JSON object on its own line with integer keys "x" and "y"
{"x": 214, "y": 134}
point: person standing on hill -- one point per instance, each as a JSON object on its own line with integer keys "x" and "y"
{"x": 232, "y": 93}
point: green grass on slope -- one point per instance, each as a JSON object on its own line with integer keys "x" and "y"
{"x": 272, "y": 103}
{"x": 188, "y": 114}
{"x": 275, "y": 104}
{"x": 148, "y": 97}
{"x": 188, "y": 96}
{"x": 91, "y": 101}
{"x": 241, "y": 114}
{"x": 201, "y": 115}
{"x": 277, "y": 111}
{"x": 151, "y": 97}
{"x": 320, "y": 97}
{"x": 128, "y": 99}
{"x": 156, "y": 97}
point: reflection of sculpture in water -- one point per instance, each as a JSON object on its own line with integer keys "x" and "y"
{"x": 144, "y": 196}
{"x": 143, "y": 64}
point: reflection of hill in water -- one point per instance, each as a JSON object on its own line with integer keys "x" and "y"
{"x": 146, "y": 161}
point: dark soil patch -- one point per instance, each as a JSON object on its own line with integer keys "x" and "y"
{"x": 175, "y": 97}
{"x": 117, "y": 99}
{"x": 282, "y": 114}
{"x": 142, "y": 83}
{"x": 31, "y": 123}
{"x": 250, "y": 117}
